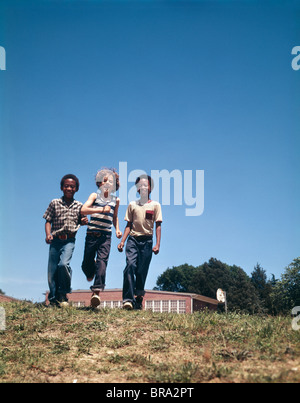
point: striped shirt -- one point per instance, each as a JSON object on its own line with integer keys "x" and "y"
{"x": 64, "y": 219}
{"x": 103, "y": 222}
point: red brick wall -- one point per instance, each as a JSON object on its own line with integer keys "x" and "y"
{"x": 5, "y": 298}
{"x": 200, "y": 305}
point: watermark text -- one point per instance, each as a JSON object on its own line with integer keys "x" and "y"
{"x": 170, "y": 188}
{"x": 2, "y": 319}
{"x": 2, "y": 58}
{"x": 296, "y": 60}
{"x": 295, "y": 311}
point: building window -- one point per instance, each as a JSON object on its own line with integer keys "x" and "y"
{"x": 156, "y": 306}
{"x": 165, "y": 306}
{"x": 181, "y": 307}
{"x": 78, "y": 304}
{"x": 177, "y": 306}
{"x": 110, "y": 304}
{"x": 116, "y": 304}
{"x": 174, "y": 306}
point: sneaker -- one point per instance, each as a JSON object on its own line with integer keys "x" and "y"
{"x": 128, "y": 306}
{"x": 95, "y": 300}
{"x": 139, "y": 302}
{"x": 64, "y": 304}
{"x": 62, "y": 301}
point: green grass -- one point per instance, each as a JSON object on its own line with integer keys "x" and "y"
{"x": 62, "y": 345}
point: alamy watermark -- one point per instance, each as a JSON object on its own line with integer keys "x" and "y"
{"x": 170, "y": 188}
{"x": 2, "y": 58}
{"x": 296, "y": 60}
{"x": 295, "y": 321}
{"x": 2, "y": 319}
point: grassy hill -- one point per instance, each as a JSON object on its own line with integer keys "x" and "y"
{"x": 62, "y": 345}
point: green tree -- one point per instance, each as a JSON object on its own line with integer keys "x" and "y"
{"x": 285, "y": 294}
{"x": 176, "y": 279}
{"x": 207, "y": 278}
{"x": 263, "y": 287}
{"x": 242, "y": 295}
{"x": 212, "y": 275}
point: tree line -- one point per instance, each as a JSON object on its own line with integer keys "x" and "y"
{"x": 249, "y": 294}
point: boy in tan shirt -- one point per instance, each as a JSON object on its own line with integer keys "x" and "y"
{"x": 140, "y": 216}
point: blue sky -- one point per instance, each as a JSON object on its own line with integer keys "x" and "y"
{"x": 193, "y": 85}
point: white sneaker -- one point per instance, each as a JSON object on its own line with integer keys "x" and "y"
{"x": 64, "y": 304}
{"x": 95, "y": 300}
{"x": 128, "y": 306}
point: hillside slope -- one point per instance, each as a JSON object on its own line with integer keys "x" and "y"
{"x": 83, "y": 345}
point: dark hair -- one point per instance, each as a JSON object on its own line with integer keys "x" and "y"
{"x": 150, "y": 180}
{"x": 69, "y": 176}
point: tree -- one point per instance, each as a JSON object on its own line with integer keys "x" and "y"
{"x": 286, "y": 292}
{"x": 176, "y": 279}
{"x": 243, "y": 295}
{"x": 210, "y": 276}
{"x": 263, "y": 287}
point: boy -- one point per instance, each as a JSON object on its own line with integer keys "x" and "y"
{"x": 103, "y": 208}
{"x": 140, "y": 217}
{"x": 63, "y": 219}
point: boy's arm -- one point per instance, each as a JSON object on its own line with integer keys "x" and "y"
{"x": 158, "y": 237}
{"x": 116, "y": 220}
{"x": 126, "y": 233}
{"x": 49, "y": 236}
{"x": 88, "y": 209}
{"x": 83, "y": 220}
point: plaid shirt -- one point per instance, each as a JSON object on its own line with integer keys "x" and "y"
{"x": 64, "y": 219}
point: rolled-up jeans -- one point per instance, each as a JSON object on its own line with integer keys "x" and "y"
{"x": 59, "y": 270}
{"x": 138, "y": 258}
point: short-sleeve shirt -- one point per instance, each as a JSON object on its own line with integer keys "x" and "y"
{"x": 143, "y": 217}
{"x": 64, "y": 219}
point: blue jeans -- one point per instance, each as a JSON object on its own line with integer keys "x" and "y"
{"x": 138, "y": 258}
{"x": 59, "y": 270}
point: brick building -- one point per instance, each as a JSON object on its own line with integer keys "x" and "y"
{"x": 5, "y": 298}
{"x": 156, "y": 301}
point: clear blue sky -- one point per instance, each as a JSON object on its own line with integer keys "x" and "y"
{"x": 193, "y": 85}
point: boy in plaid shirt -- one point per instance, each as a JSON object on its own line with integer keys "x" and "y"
{"x": 63, "y": 219}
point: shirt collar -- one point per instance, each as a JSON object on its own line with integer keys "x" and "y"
{"x": 63, "y": 201}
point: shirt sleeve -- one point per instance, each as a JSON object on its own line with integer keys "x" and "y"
{"x": 129, "y": 214}
{"x": 49, "y": 213}
{"x": 158, "y": 213}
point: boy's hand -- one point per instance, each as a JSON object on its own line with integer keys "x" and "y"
{"x": 155, "y": 250}
{"x": 49, "y": 238}
{"x": 84, "y": 220}
{"x": 121, "y": 246}
{"x": 119, "y": 234}
{"x": 106, "y": 209}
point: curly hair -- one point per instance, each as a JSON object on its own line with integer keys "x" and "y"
{"x": 148, "y": 177}
{"x": 69, "y": 176}
{"x": 103, "y": 174}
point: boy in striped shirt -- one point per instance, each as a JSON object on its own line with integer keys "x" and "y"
{"x": 103, "y": 209}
